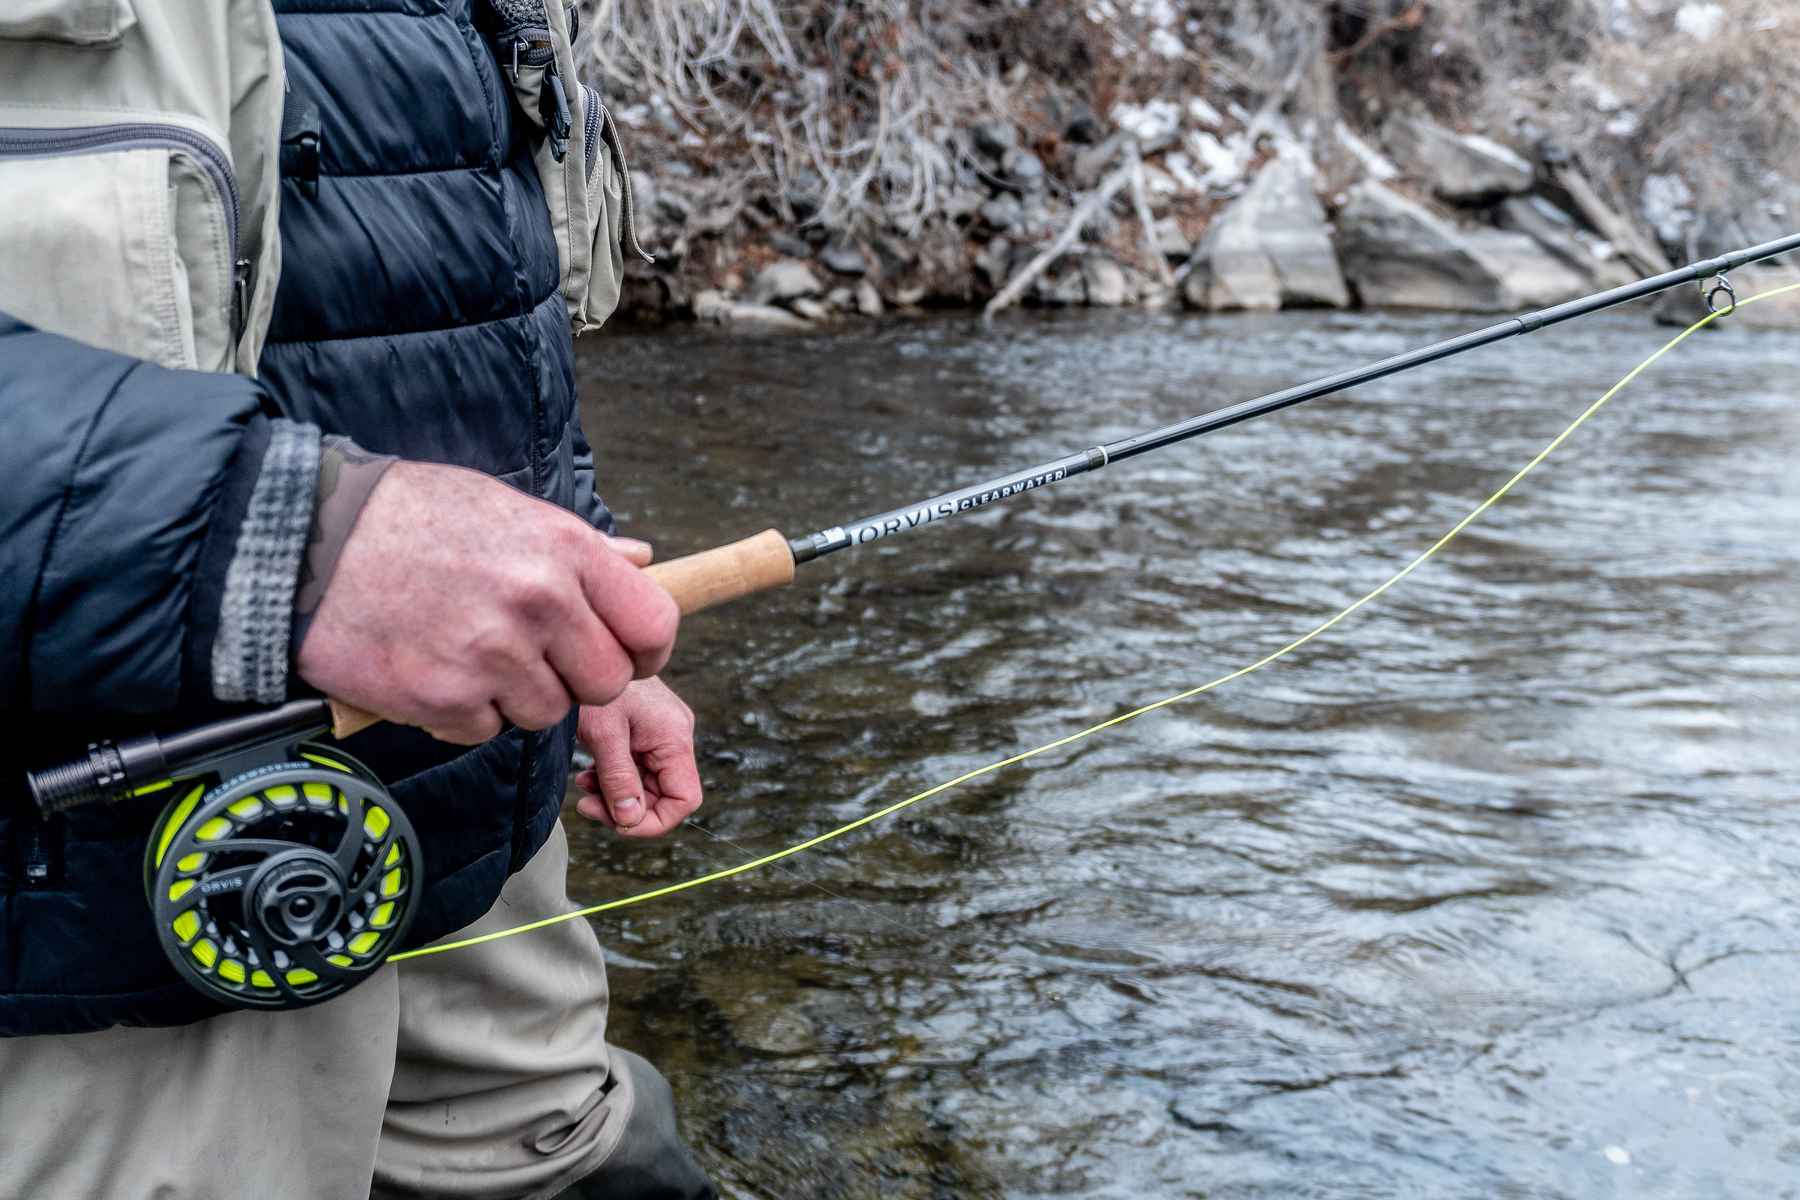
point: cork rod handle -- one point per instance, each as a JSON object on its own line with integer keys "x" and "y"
{"x": 697, "y": 582}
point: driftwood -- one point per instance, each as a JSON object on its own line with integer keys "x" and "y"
{"x": 1098, "y": 199}
{"x": 1141, "y": 200}
{"x": 1627, "y": 237}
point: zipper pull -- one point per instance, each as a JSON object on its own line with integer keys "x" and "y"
{"x": 240, "y": 297}
{"x": 517, "y": 47}
{"x": 39, "y": 856}
{"x": 560, "y": 120}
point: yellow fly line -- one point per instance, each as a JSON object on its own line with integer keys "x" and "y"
{"x": 1083, "y": 734}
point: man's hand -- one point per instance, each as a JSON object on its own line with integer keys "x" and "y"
{"x": 460, "y": 603}
{"x": 644, "y": 781}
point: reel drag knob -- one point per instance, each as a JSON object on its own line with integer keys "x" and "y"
{"x": 285, "y": 885}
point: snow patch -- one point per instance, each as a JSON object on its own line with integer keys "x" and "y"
{"x": 1701, "y": 22}
{"x": 1151, "y": 121}
{"x": 1202, "y": 113}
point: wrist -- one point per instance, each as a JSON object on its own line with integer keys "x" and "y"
{"x": 347, "y": 477}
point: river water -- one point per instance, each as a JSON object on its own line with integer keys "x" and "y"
{"x": 1492, "y": 892}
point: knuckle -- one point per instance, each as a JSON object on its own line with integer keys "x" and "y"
{"x": 535, "y": 592}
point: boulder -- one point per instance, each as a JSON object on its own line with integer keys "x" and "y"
{"x": 763, "y": 316}
{"x": 1022, "y": 171}
{"x": 1269, "y": 249}
{"x": 994, "y": 138}
{"x": 1533, "y": 276}
{"x": 1003, "y": 212}
{"x": 783, "y": 281}
{"x": 1170, "y": 241}
{"x": 1083, "y": 126}
{"x": 1105, "y": 281}
{"x": 1399, "y": 254}
{"x": 1684, "y": 305}
{"x": 868, "y": 300}
{"x": 994, "y": 262}
{"x": 717, "y": 308}
{"x": 812, "y": 310}
{"x": 1463, "y": 168}
{"x": 787, "y": 244}
{"x": 1556, "y": 231}
{"x": 1066, "y": 289}
{"x": 843, "y": 258}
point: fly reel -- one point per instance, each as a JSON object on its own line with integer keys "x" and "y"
{"x": 281, "y": 874}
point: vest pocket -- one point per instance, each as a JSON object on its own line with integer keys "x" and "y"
{"x": 135, "y": 253}
{"x": 78, "y": 22}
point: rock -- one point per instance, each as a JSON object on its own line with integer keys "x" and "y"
{"x": 909, "y": 297}
{"x": 1399, "y": 254}
{"x": 1105, "y": 282}
{"x": 1170, "y": 242}
{"x": 994, "y": 138}
{"x": 960, "y": 201}
{"x": 783, "y": 281}
{"x": 841, "y": 298}
{"x": 804, "y": 200}
{"x": 643, "y": 192}
{"x": 812, "y": 310}
{"x": 1066, "y": 289}
{"x": 1084, "y": 126}
{"x": 765, "y": 316}
{"x": 1685, "y": 305}
{"x": 715, "y": 307}
{"x": 1092, "y": 164}
{"x": 1023, "y": 171}
{"x": 1556, "y": 231}
{"x": 843, "y": 258}
{"x": 786, "y": 243}
{"x": 716, "y": 219}
{"x": 1458, "y": 167}
{"x": 1003, "y": 212}
{"x": 993, "y": 261}
{"x": 1532, "y": 274}
{"x": 868, "y": 300}
{"x": 666, "y": 204}
{"x": 1269, "y": 249}
{"x": 711, "y": 306}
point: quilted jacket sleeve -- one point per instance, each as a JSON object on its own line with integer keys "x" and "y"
{"x": 151, "y": 524}
{"x": 587, "y": 498}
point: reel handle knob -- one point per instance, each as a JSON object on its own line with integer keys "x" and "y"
{"x": 696, "y": 581}
{"x": 89, "y": 780}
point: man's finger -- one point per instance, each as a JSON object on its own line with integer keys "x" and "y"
{"x": 641, "y": 615}
{"x": 635, "y": 551}
{"x": 537, "y": 698}
{"x": 673, "y": 789}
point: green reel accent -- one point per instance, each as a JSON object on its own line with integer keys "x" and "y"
{"x": 285, "y": 885}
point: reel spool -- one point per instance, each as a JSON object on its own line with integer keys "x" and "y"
{"x": 284, "y": 885}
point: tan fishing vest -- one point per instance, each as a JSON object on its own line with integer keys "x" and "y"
{"x": 140, "y": 147}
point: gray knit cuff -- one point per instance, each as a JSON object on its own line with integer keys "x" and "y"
{"x": 250, "y": 653}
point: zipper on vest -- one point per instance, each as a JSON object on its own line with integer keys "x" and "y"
{"x": 132, "y": 135}
{"x": 38, "y": 862}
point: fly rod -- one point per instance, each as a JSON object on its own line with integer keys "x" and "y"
{"x": 767, "y": 560}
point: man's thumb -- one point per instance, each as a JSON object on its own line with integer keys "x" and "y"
{"x": 621, "y": 788}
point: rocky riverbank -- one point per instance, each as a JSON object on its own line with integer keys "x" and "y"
{"x": 1349, "y": 187}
